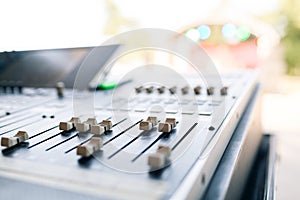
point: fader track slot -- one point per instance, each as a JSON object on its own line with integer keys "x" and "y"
{"x": 65, "y": 140}
{"x": 162, "y": 135}
{"x": 49, "y": 138}
{"x": 127, "y": 144}
{"x": 81, "y": 143}
{"x": 131, "y": 141}
{"x": 119, "y": 122}
{"x": 32, "y": 106}
{"x": 122, "y": 132}
{"x": 18, "y": 120}
{"x": 184, "y": 136}
{"x": 11, "y": 117}
{"x": 24, "y": 125}
{"x": 40, "y": 133}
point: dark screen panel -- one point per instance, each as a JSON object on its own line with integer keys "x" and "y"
{"x": 44, "y": 68}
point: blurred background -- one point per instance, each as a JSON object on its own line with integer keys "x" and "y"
{"x": 262, "y": 35}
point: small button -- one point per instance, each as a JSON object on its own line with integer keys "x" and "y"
{"x": 224, "y": 91}
{"x": 60, "y": 87}
{"x": 173, "y": 90}
{"x": 139, "y": 89}
{"x": 210, "y": 90}
{"x": 185, "y": 90}
{"x": 19, "y": 86}
{"x": 197, "y": 90}
{"x": 161, "y": 89}
{"x": 149, "y": 89}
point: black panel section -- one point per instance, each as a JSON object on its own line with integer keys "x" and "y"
{"x": 44, "y": 68}
{"x": 258, "y": 185}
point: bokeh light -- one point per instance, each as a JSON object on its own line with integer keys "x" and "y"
{"x": 243, "y": 33}
{"x": 193, "y": 34}
{"x": 204, "y": 32}
{"x": 229, "y": 30}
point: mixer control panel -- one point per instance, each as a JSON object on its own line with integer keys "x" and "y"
{"x": 138, "y": 146}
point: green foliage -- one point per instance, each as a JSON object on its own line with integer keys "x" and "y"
{"x": 291, "y": 39}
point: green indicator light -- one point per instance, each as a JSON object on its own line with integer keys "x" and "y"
{"x": 107, "y": 86}
{"x": 243, "y": 33}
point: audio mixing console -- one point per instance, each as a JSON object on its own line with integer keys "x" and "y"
{"x": 154, "y": 145}
{"x": 154, "y": 135}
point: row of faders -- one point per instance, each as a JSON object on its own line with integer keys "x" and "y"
{"x": 161, "y": 157}
{"x": 94, "y": 144}
{"x": 184, "y": 90}
{"x": 166, "y": 127}
{"x": 90, "y": 124}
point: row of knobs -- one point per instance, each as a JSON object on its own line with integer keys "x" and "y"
{"x": 184, "y": 90}
{"x": 11, "y": 87}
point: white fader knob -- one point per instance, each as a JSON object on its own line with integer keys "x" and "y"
{"x": 85, "y": 126}
{"x": 66, "y": 126}
{"x": 159, "y": 159}
{"x": 148, "y": 124}
{"x": 168, "y": 126}
{"x": 99, "y": 129}
{"x": 107, "y": 124}
{"x": 21, "y": 136}
{"x": 95, "y": 144}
